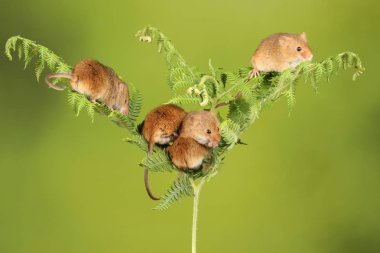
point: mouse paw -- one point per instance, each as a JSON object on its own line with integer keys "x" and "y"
{"x": 254, "y": 73}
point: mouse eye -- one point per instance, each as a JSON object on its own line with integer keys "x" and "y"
{"x": 299, "y": 49}
{"x": 208, "y": 131}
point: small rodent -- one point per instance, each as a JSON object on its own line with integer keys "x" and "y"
{"x": 187, "y": 154}
{"x": 98, "y": 82}
{"x": 280, "y": 51}
{"x": 161, "y": 127}
{"x": 199, "y": 132}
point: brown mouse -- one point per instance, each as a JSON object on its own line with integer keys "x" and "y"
{"x": 199, "y": 132}
{"x": 98, "y": 82}
{"x": 187, "y": 154}
{"x": 280, "y": 51}
{"x": 161, "y": 127}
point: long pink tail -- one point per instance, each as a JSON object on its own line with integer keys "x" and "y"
{"x": 56, "y": 75}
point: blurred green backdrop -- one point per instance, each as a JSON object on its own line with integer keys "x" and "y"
{"x": 306, "y": 183}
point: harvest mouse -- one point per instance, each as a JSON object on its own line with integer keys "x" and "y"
{"x": 280, "y": 51}
{"x": 98, "y": 82}
{"x": 160, "y": 127}
{"x": 199, "y": 132}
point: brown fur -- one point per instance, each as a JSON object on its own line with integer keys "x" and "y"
{"x": 98, "y": 82}
{"x": 186, "y": 153}
{"x": 279, "y": 52}
{"x": 199, "y": 132}
{"x": 196, "y": 125}
{"x": 161, "y": 124}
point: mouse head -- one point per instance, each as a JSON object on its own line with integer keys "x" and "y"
{"x": 123, "y": 98}
{"x": 294, "y": 48}
{"x": 202, "y": 126}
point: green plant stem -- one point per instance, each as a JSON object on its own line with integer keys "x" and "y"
{"x": 196, "y": 190}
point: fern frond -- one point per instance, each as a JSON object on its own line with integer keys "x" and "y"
{"x": 339, "y": 61}
{"x": 40, "y": 65}
{"x": 158, "y": 161}
{"x": 239, "y": 111}
{"x": 47, "y": 58}
{"x": 52, "y": 60}
{"x": 139, "y": 141}
{"x": 179, "y": 189}
{"x": 181, "y": 81}
{"x": 10, "y": 45}
{"x": 29, "y": 49}
{"x": 72, "y": 97}
{"x": 91, "y": 110}
{"x": 317, "y": 75}
{"x": 27, "y": 55}
{"x": 80, "y": 104}
{"x": 290, "y": 94}
{"x": 247, "y": 93}
{"x": 244, "y": 72}
{"x": 173, "y": 58}
{"x": 135, "y": 103}
{"x": 328, "y": 66}
{"x": 230, "y": 132}
{"x": 63, "y": 68}
{"x": 246, "y": 100}
{"x": 185, "y": 99}
{"x": 123, "y": 121}
{"x": 230, "y": 93}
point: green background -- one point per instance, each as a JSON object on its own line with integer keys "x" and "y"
{"x": 305, "y": 183}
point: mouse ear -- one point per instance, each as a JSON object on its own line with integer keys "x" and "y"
{"x": 303, "y": 36}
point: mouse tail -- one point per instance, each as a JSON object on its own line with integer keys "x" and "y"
{"x": 56, "y": 75}
{"x": 147, "y": 188}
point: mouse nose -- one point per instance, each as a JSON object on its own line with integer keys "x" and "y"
{"x": 214, "y": 142}
{"x": 310, "y": 56}
{"x": 307, "y": 55}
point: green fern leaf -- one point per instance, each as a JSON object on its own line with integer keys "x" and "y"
{"x": 80, "y": 104}
{"x": 103, "y": 109}
{"x": 91, "y": 110}
{"x": 26, "y": 44}
{"x": 317, "y": 76}
{"x": 290, "y": 94}
{"x": 239, "y": 111}
{"x": 183, "y": 81}
{"x": 40, "y": 65}
{"x": 245, "y": 72}
{"x": 52, "y": 60}
{"x": 179, "y": 189}
{"x": 72, "y": 97}
{"x": 139, "y": 141}
{"x": 10, "y": 45}
{"x": 185, "y": 99}
{"x": 158, "y": 161}
{"x": 230, "y": 132}
{"x": 135, "y": 103}
{"x": 339, "y": 61}
{"x": 328, "y": 66}
{"x": 123, "y": 121}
